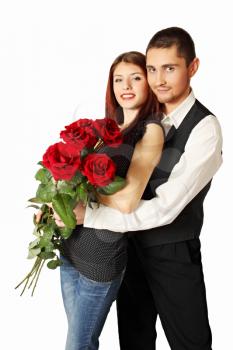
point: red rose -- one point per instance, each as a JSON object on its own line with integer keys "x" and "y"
{"x": 62, "y": 160}
{"x": 99, "y": 169}
{"x": 80, "y": 134}
{"x": 108, "y": 130}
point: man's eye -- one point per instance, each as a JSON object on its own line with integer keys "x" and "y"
{"x": 150, "y": 69}
{"x": 170, "y": 69}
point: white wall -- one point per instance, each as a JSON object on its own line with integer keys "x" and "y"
{"x": 54, "y": 61}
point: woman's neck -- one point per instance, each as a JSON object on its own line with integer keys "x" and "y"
{"x": 129, "y": 116}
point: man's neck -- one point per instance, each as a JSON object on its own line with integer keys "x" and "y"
{"x": 170, "y": 107}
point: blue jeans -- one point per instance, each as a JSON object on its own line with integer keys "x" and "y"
{"x": 87, "y": 304}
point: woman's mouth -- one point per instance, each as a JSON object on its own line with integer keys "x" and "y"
{"x": 128, "y": 96}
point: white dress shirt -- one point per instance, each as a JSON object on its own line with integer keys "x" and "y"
{"x": 198, "y": 164}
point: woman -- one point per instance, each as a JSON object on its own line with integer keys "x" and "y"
{"x": 94, "y": 260}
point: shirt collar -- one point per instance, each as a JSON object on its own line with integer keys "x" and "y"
{"x": 176, "y": 117}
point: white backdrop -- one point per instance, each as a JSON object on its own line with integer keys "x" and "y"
{"x": 54, "y": 61}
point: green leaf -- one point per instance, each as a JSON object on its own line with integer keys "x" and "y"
{"x": 65, "y": 232}
{"x": 49, "y": 247}
{"x": 35, "y": 200}
{"x": 47, "y": 255}
{"x": 33, "y": 253}
{"x": 43, "y": 175}
{"x": 46, "y": 243}
{"x": 63, "y": 204}
{"x": 46, "y": 192}
{"x": 77, "y": 179}
{"x": 66, "y": 187}
{"x": 81, "y": 193}
{"x": 48, "y": 231}
{"x": 33, "y": 206}
{"x": 53, "y": 264}
{"x": 34, "y": 243}
{"x": 113, "y": 187}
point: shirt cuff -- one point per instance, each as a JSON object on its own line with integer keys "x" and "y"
{"x": 105, "y": 218}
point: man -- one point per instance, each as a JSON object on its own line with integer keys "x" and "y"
{"x": 164, "y": 274}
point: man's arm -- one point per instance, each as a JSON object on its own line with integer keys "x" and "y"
{"x": 198, "y": 164}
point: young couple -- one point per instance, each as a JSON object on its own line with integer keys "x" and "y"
{"x": 141, "y": 246}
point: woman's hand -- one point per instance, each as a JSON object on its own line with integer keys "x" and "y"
{"x": 38, "y": 216}
{"x": 57, "y": 218}
{"x": 79, "y": 212}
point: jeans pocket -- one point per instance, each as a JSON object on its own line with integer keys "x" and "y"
{"x": 90, "y": 281}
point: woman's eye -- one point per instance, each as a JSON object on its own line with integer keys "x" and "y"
{"x": 117, "y": 80}
{"x": 137, "y": 78}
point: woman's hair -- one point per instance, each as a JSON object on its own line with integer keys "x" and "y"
{"x": 174, "y": 36}
{"x": 112, "y": 108}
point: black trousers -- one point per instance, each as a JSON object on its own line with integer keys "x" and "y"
{"x": 165, "y": 280}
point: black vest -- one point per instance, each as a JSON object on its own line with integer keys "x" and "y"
{"x": 189, "y": 222}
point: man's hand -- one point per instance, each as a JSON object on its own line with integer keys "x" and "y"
{"x": 79, "y": 212}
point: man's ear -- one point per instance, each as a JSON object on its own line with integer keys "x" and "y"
{"x": 193, "y": 67}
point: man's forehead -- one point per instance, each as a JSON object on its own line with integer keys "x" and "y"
{"x": 163, "y": 56}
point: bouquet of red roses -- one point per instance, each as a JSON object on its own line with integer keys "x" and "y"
{"x": 72, "y": 171}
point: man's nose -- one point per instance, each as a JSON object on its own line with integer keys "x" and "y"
{"x": 160, "y": 79}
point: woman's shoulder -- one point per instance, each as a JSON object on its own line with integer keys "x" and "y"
{"x": 151, "y": 119}
{"x": 137, "y": 132}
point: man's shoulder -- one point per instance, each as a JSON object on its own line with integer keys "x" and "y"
{"x": 203, "y": 109}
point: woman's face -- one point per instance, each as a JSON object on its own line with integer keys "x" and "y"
{"x": 130, "y": 85}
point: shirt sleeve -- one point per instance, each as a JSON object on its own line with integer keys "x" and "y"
{"x": 201, "y": 159}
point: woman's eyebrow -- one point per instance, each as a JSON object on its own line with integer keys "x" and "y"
{"x": 119, "y": 75}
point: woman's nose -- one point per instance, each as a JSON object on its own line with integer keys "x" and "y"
{"x": 127, "y": 85}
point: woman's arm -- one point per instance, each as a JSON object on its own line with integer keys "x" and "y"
{"x": 146, "y": 156}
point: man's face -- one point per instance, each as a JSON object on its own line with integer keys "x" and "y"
{"x": 169, "y": 76}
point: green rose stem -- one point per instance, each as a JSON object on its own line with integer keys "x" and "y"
{"x": 37, "y": 276}
{"x": 34, "y": 274}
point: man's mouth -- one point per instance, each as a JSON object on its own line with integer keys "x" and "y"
{"x": 162, "y": 89}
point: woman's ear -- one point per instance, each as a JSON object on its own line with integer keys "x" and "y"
{"x": 193, "y": 67}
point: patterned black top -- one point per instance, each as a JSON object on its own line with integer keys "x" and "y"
{"x": 101, "y": 254}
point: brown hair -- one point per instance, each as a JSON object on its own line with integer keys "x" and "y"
{"x": 174, "y": 36}
{"x": 112, "y": 108}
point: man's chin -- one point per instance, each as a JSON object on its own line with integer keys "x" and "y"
{"x": 164, "y": 99}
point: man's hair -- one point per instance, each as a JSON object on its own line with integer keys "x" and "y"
{"x": 174, "y": 36}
